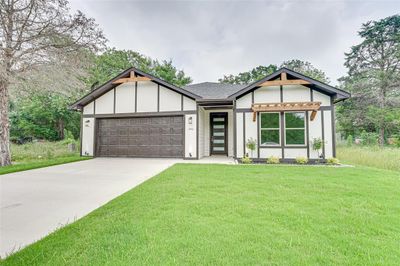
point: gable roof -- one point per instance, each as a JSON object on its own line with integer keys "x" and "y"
{"x": 214, "y": 90}
{"x": 109, "y": 86}
{"x": 338, "y": 94}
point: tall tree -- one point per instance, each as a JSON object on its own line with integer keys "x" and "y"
{"x": 31, "y": 33}
{"x": 248, "y": 77}
{"x": 113, "y": 61}
{"x": 374, "y": 69}
{"x": 306, "y": 68}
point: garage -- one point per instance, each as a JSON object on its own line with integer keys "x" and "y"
{"x": 158, "y": 136}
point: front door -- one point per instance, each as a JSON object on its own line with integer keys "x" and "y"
{"x": 218, "y": 132}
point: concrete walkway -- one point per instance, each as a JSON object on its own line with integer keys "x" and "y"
{"x": 36, "y": 202}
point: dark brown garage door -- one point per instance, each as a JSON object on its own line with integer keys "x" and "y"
{"x": 140, "y": 137}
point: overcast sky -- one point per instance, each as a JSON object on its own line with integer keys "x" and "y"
{"x": 208, "y": 39}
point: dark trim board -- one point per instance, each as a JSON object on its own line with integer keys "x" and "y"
{"x": 244, "y": 134}
{"x": 81, "y": 135}
{"x": 308, "y": 135}
{"x": 139, "y": 114}
{"x": 197, "y": 130}
{"x": 234, "y": 129}
{"x": 333, "y": 122}
{"x": 323, "y": 133}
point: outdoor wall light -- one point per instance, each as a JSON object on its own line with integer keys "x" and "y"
{"x": 190, "y": 120}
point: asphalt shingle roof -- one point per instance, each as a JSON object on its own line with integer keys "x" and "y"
{"x": 214, "y": 90}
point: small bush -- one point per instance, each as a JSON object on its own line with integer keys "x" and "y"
{"x": 369, "y": 138}
{"x": 349, "y": 140}
{"x": 246, "y": 160}
{"x": 273, "y": 160}
{"x": 333, "y": 160}
{"x": 301, "y": 160}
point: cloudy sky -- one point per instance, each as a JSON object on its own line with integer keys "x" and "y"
{"x": 208, "y": 39}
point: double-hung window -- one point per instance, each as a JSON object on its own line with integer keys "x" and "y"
{"x": 295, "y": 128}
{"x": 270, "y": 129}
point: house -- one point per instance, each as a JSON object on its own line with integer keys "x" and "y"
{"x": 138, "y": 115}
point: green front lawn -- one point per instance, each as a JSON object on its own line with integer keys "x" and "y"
{"x": 39, "y": 163}
{"x": 237, "y": 214}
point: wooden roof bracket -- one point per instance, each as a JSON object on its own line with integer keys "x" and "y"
{"x": 284, "y": 81}
{"x": 132, "y": 78}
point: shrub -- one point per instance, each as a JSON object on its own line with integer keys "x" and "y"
{"x": 333, "y": 160}
{"x": 349, "y": 140}
{"x": 369, "y": 138}
{"x": 273, "y": 160}
{"x": 246, "y": 160}
{"x": 251, "y": 144}
{"x": 301, "y": 160}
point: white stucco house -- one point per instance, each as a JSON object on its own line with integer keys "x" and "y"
{"x": 138, "y": 115}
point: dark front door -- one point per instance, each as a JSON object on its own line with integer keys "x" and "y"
{"x": 218, "y": 132}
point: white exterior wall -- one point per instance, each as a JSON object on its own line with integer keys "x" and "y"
{"x": 190, "y": 136}
{"x": 125, "y": 98}
{"x": 268, "y": 152}
{"x": 170, "y": 100}
{"x": 250, "y": 132}
{"x": 105, "y": 103}
{"x": 295, "y": 152}
{"x": 188, "y": 104}
{"x": 87, "y": 136}
{"x": 244, "y": 102}
{"x": 202, "y": 132}
{"x": 315, "y": 131}
{"x": 324, "y": 99}
{"x": 267, "y": 95}
{"x": 296, "y": 93}
{"x": 239, "y": 135}
{"x": 328, "y": 134}
{"x": 147, "y": 94}
{"x": 88, "y": 109}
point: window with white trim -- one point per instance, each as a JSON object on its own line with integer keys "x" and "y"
{"x": 295, "y": 128}
{"x": 270, "y": 129}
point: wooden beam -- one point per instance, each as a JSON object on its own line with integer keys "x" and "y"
{"x": 284, "y": 82}
{"x": 313, "y": 115}
{"x": 254, "y": 116}
{"x": 124, "y": 80}
{"x": 286, "y": 106}
{"x": 283, "y": 76}
{"x": 132, "y": 74}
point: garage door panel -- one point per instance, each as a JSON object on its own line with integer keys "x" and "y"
{"x": 141, "y": 137}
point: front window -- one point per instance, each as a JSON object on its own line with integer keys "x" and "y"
{"x": 269, "y": 126}
{"x": 295, "y": 128}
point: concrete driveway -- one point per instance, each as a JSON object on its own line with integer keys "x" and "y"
{"x": 36, "y": 202}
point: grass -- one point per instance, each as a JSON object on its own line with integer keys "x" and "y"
{"x": 40, "y": 154}
{"x": 28, "y": 165}
{"x": 383, "y": 158}
{"x": 237, "y": 215}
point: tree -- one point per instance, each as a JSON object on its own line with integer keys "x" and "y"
{"x": 374, "y": 72}
{"x": 307, "y": 69}
{"x": 31, "y": 33}
{"x": 249, "y": 76}
{"x": 113, "y": 61}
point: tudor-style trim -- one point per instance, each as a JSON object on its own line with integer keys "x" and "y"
{"x": 324, "y": 88}
{"x": 181, "y": 102}
{"x": 281, "y": 93}
{"x": 114, "y": 100}
{"x": 282, "y": 131}
{"x": 234, "y": 114}
{"x": 136, "y": 87}
{"x": 140, "y": 114}
{"x": 94, "y": 107}
{"x": 258, "y": 135}
{"x": 333, "y": 126}
{"x": 95, "y": 135}
{"x": 158, "y": 98}
{"x": 197, "y": 131}
{"x": 107, "y": 86}
{"x": 184, "y": 136}
{"x": 252, "y": 97}
{"x": 244, "y": 134}
{"x": 323, "y": 133}
{"x": 312, "y": 95}
{"x": 81, "y": 134}
{"x": 308, "y": 135}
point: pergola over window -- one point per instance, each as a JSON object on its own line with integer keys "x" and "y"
{"x": 286, "y": 106}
